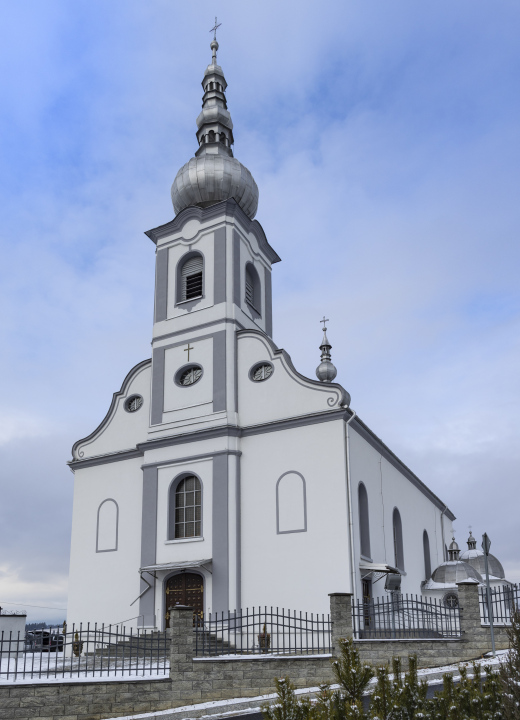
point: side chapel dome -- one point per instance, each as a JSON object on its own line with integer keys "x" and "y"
{"x": 475, "y": 558}
{"x": 214, "y": 174}
{"x": 453, "y": 571}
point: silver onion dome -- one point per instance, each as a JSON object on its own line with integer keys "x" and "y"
{"x": 214, "y": 174}
{"x": 475, "y": 558}
{"x": 326, "y": 370}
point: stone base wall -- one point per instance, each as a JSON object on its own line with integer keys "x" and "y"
{"x": 84, "y": 700}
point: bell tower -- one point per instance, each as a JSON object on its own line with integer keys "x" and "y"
{"x": 213, "y": 276}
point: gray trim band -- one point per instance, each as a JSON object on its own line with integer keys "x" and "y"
{"x": 157, "y": 399}
{"x": 219, "y": 371}
{"x": 236, "y": 268}
{"x": 219, "y": 265}
{"x": 268, "y": 303}
{"x": 148, "y": 543}
{"x": 192, "y": 328}
{"x": 220, "y": 539}
{"x": 161, "y": 285}
{"x": 215, "y": 212}
{"x": 192, "y": 458}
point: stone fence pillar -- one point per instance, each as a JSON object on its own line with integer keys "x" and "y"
{"x": 477, "y": 639}
{"x": 341, "y": 618}
{"x": 181, "y": 648}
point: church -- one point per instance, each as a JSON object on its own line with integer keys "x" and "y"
{"x": 221, "y": 477}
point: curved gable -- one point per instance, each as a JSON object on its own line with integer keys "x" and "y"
{"x": 120, "y": 429}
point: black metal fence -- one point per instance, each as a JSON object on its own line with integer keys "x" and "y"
{"x": 504, "y": 601}
{"x": 262, "y": 631}
{"x": 404, "y": 616}
{"x": 84, "y": 651}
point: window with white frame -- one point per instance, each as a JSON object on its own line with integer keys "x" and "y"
{"x": 185, "y": 508}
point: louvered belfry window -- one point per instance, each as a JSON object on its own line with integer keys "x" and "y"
{"x": 191, "y": 278}
{"x": 188, "y": 508}
{"x": 250, "y": 288}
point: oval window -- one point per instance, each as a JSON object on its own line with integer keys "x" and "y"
{"x": 133, "y": 403}
{"x": 188, "y": 375}
{"x": 261, "y": 371}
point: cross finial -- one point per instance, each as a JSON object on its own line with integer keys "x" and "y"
{"x": 215, "y": 28}
{"x": 325, "y": 320}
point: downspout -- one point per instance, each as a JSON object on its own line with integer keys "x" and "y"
{"x": 349, "y": 503}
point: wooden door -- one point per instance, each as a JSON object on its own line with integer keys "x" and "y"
{"x": 185, "y": 589}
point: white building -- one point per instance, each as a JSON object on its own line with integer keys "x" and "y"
{"x": 221, "y": 477}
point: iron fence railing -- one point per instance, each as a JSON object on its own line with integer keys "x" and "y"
{"x": 404, "y": 616}
{"x": 84, "y": 651}
{"x": 504, "y": 601}
{"x": 260, "y": 631}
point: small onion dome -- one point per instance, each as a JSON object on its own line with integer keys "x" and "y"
{"x": 214, "y": 174}
{"x": 326, "y": 370}
{"x": 452, "y": 572}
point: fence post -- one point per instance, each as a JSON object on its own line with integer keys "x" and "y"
{"x": 181, "y": 647}
{"x": 470, "y": 623}
{"x": 341, "y": 619}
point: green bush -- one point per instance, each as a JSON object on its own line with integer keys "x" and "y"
{"x": 496, "y": 696}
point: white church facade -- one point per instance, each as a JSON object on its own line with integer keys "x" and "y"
{"x": 221, "y": 477}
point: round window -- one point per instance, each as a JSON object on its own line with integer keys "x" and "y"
{"x": 133, "y": 403}
{"x": 188, "y": 375}
{"x": 451, "y": 600}
{"x": 261, "y": 371}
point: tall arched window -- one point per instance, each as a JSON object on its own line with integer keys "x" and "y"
{"x": 107, "y": 526}
{"x": 398, "y": 540}
{"x": 427, "y": 561}
{"x": 191, "y": 278}
{"x": 185, "y": 508}
{"x": 364, "y": 527}
{"x": 253, "y": 288}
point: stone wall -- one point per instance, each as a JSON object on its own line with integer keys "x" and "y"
{"x": 194, "y": 680}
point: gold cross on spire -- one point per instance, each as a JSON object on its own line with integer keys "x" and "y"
{"x": 215, "y": 28}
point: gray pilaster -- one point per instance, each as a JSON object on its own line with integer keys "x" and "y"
{"x": 236, "y": 268}
{"x": 220, "y": 534}
{"x": 157, "y": 404}
{"x": 268, "y": 303}
{"x": 341, "y": 618}
{"x": 161, "y": 285}
{"x": 219, "y": 246}
{"x": 219, "y": 371}
{"x": 148, "y": 544}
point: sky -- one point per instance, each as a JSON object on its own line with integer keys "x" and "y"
{"x": 384, "y": 138}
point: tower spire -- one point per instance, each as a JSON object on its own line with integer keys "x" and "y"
{"x": 214, "y": 174}
{"x": 326, "y": 371}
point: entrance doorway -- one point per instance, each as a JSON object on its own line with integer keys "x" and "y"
{"x": 185, "y": 589}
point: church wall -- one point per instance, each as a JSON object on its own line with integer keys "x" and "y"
{"x": 295, "y": 570}
{"x": 103, "y": 584}
{"x": 388, "y": 488}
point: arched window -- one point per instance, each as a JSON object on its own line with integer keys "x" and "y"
{"x": 190, "y": 279}
{"x": 253, "y": 288}
{"x": 211, "y": 136}
{"x": 185, "y": 508}
{"x": 107, "y": 526}
{"x": 222, "y": 138}
{"x": 427, "y": 561}
{"x": 291, "y": 503}
{"x": 398, "y": 540}
{"x": 364, "y": 527}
